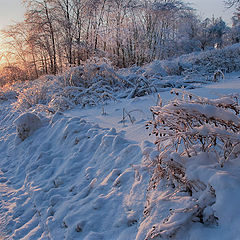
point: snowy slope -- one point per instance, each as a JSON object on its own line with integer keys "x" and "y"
{"x": 84, "y": 175}
{"x": 73, "y": 179}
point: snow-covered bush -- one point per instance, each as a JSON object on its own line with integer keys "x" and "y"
{"x": 26, "y": 124}
{"x": 74, "y": 77}
{"x": 32, "y": 96}
{"x": 59, "y": 103}
{"x": 226, "y": 60}
{"x": 187, "y": 210}
{"x": 190, "y": 123}
{"x": 142, "y": 87}
{"x": 154, "y": 68}
{"x": 37, "y": 92}
{"x": 207, "y": 62}
{"x": 92, "y": 70}
{"x": 91, "y": 84}
{"x": 189, "y": 130}
{"x": 96, "y": 81}
{"x": 188, "y": 71}
{"x": 101, "y": 69}
{"x": 68, "y": 97}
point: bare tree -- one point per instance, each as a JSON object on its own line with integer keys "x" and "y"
{"x": 39, "y": 16}
{"x": 232, "y": 3}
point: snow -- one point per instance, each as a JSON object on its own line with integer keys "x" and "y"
{"x": 26, "y": 124}
{"x": 73, "y": 179}
{"x": 84, "y": 174}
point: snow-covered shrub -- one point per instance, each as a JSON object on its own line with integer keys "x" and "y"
{"x": 189, "y": 129}
{"x": 59, "y": 103}
{"x": 90, "y": 84}
{"x": 93, "y": 83}
{"x": 226, "y": 60}
{"x": 31, "y": 96}
{"x": 74, "y": 77}
{"x": 188, "y": 210}
{"x": 37, "y": 92}
{"x": 154, "y": 68}
{"x": 99, "y": 93}
{"x": 187, "y": 71}
{"x": 190, "y": 123}
{"x": 26, "y": 124}
{"x": 172, "y": 67}
{"x": 96, "y": 69}
{"x": 92, "y": 70}
{"x": 73, "y": 94}
{"x": 142, "y": 87}
{"x": 197, "y": 65}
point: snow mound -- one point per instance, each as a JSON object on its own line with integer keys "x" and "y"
{"x": 26, "y": 124}
{"x": 72, "y": 181}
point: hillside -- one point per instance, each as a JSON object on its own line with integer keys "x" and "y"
{"x": 87, "y": 170}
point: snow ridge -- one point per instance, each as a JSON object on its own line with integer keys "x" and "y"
{"x": 70, "y": 181}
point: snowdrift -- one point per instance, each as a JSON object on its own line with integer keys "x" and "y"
{"x": 71, "y": 178}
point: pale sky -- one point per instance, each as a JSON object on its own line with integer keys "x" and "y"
{"x": 206, "y": 8}
{"x": 12, "y": 10}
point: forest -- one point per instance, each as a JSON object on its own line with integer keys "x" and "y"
{"x": 58, "y": 34}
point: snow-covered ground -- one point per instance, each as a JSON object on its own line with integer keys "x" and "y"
{"x": 84, "y": 175}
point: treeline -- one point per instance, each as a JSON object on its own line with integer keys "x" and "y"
{"x": 60, "y": 33}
